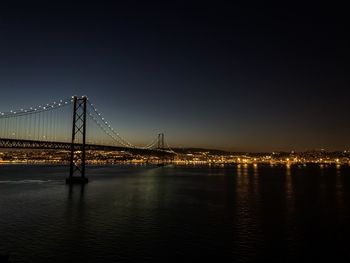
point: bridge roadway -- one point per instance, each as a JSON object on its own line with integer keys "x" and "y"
{"x": 51, "y": 145}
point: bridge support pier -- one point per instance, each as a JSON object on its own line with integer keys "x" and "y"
{"x": 76, "y": 180}
{"x": 77, "y": 152}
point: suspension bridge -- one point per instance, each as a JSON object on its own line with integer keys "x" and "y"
{"x": 73, "y": 124}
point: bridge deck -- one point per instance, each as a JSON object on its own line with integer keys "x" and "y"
{"x": 51, "y": 145}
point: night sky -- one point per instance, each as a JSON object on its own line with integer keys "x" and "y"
{"x": 228, "y": 76}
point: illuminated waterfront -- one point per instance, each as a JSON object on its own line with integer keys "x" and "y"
{"x": 184, "y": 157}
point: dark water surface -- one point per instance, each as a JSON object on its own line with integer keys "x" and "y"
{"x": 148, "y": 214}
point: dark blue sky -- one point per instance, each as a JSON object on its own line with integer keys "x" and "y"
{"x": 211, "y": 75}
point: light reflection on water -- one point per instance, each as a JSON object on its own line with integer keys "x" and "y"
{"x": 132, "y": 214}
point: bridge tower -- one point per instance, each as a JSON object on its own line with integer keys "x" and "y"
{"x": 160, "y": 146}
{"x": 77, "y": 152}
{"x": 160, "y": 141}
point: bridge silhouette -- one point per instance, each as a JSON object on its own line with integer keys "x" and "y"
{"x": 72, "y": 124}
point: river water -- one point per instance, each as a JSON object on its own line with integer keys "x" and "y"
{"x": 173, "y": 214}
